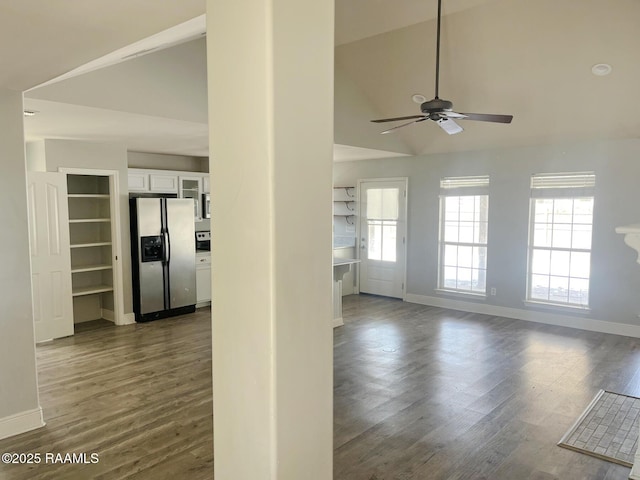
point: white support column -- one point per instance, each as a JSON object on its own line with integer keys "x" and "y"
{"x": 270, "y": 79}
{"x": 632, "y": 239}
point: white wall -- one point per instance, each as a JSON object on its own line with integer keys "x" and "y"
{"x": 170, "y": 83}
{"x": 18, "y": 383}
{"x": 167, "y": 162}
{"x": 353, "y": 112}
{"x": 615, "y": 276}
{"x": 100, "y": 156}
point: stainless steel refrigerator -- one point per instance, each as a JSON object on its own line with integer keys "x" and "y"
{"x": 163, "y": 257}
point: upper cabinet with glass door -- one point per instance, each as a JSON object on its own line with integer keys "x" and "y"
{"x": 191, "y": 187}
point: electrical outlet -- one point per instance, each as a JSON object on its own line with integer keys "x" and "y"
{"x": 493, "y": 291}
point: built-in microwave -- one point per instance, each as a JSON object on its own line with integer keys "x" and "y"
{"x": 206, "y": 206}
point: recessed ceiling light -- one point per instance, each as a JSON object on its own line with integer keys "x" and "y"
{"x": 417, "y": 98}
{"x": 601, "y": 69}
{"x": 30, "y": 113}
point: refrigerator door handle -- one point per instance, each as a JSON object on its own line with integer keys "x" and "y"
{"x": 167, "y": 247}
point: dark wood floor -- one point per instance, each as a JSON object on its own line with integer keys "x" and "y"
{"x": 428, "y": 393}
{"x": 420, "y": 393}
{"x": 138, "y": 395}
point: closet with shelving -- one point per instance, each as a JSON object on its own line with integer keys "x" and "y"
{"x": 91, "y": 237}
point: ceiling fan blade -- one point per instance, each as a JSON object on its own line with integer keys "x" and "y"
{"x": 450, "y": 114}
{"x": 449, "y": 126}
{"x": 397, "y": 118}
{"x": 485, "y": 117}
{"x": 421, "y": 119}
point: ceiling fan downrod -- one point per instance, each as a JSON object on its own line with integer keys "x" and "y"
{"x": 438, "y": 48}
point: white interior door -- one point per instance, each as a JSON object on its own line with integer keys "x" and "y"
{"x": 383, "y": 212}
{"x": 50, "y": 255}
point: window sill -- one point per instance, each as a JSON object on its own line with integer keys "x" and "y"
{"x": 461, "y": 294}
{"x": 557, "y": 306}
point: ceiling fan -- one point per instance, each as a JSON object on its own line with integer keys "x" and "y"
{"x": 439, "y": 110}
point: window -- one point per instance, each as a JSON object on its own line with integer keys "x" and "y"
{"x": 464, "y": 214}
{"x": 560, "y": 228}
{"x": 382, "y": 223}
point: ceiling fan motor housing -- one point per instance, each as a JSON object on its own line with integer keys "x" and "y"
{"x": 436, "y": 105}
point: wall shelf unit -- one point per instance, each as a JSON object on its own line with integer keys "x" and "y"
{"x": 91, "y": 236}
{"x": 344, "y": 204}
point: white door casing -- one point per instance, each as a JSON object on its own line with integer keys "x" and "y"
{"x": 382, "y": 236}
{"x": 50, "y": 255}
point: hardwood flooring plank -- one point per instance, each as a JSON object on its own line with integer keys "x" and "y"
{"x": 420, "y": 393}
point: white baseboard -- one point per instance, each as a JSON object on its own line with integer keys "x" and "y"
{"x": 635, "y": 471}
{"x": 203, "y": 304}
{"x": 558, "y": 319}
{"x": 338, "y": 322}
{"x": 108, "y": 315}
{"x": 21, "y": 422}
{"x": 127, "y": 319}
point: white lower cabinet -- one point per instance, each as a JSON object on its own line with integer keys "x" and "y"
{"x": 203, "y": 279}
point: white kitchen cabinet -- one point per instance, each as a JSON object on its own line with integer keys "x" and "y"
{"x": 206, "y": 183}
{"x": 163, "y": 183}
{"x": 191, "y": 187}
{"x": 138, "y": 181}
{"x": 203, "y": 279}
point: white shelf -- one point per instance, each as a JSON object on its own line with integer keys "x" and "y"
{"x": 80, "y": 291}
{"x": 88, "y": 195}
{"x": 93, "y": 244}
{"x": 89, "y": 220}
{"x": 91, "y": 268}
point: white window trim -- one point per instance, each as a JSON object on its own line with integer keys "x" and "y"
{"x": 457, "y": 192}
{"x": 552, "y": 186}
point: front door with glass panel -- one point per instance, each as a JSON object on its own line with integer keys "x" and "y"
{"x": 382, "y": 238}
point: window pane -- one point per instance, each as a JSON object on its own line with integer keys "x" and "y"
{"x": 450, "y": 255}
{"x": 543, "y": 210}
{"x": 480, "y": 232}
{"x": 539, "y": 287}
{"x": 467, "y": 209}
{"x": 465, "y": 256}
{"x": 479, "y": 280}
{"x": 540, "y": 262}
{"x": 579, "y": 291}
{"x": 562, "y": 210}
{"x": 390, "y": 203}
{"x": 466, "y": 232}
{"x": 559, "y": 263}
{"x": 374, "y": 249}
{"x": 561, "y": 235}
{"x": 542, "y": 235}
{"x": 581, "y": 237}
{"x": 558, "y": 289}
{"x": 389, "y": 242}
{"x": 450, "y": 277}
{"x": 452, "y": 208}
{"x": 580, "y": 266}
{"x": 480, "y": 257}
{"x": 451, "y": 232}
{"x": 374, "y": 203}
{"x": 464, "y": 278}
{"x": 382, "y": 203}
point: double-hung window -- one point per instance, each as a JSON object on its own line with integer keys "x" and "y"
{"x": 561, "y": 220}
{"x": 464, "y": 221}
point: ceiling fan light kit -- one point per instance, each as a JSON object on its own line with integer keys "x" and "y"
{"x": 441, "y": 111}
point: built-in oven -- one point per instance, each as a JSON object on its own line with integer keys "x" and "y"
{"x": 203, "y": 241}
{"x": 206, "y": 205}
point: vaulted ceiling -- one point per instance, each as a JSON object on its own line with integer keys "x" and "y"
{"x": 530, "y": 58}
